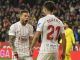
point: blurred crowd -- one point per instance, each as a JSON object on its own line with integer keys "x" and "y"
{"x": 66, "y": 10}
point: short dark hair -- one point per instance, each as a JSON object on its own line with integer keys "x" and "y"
{"x": 68, "y": 23}
{"x": 23, "y": 11}
{"x": 49, "y": 5}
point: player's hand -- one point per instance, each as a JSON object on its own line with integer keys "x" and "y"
{"x": 16, "y": 54}
{"x": 31, "y": 52}
{"x": 74, "y": 49}
{"x": 13, "y": 48}
{"x": 63, "y": 56}
{"x": 51, "y": 37}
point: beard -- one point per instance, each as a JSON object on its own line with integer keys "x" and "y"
{"x": 24, "y": 22}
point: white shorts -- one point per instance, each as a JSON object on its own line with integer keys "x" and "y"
{"x": 13, "y": 56}
{"x": 47, "y": 56}
{"x": 22, "y": 57}
{"x": 25, "y": 58}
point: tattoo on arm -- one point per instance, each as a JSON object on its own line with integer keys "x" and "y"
{"x": 11, "y": 40}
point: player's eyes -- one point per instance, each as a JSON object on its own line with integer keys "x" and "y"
{"x": 25, "y": 15}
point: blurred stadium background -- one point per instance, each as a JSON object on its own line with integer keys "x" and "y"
{"x": 66, "y": 10}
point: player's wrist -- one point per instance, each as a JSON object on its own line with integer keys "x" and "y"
{"x": 13, "y": 48}
{"x": 31, "y": 51}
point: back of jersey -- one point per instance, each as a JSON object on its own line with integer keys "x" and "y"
{"x": 51, "y": 28}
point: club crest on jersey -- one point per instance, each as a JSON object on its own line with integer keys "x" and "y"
{"x": 39, "y": 24}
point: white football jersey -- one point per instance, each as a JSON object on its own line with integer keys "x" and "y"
{"x": 22, "y": 34}
{"x": 51, "y": 27}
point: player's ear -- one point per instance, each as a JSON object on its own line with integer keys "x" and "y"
{"x": 45, "y": 9}
{"x": 53, "y": 11}
{"x": 19, "y": 16}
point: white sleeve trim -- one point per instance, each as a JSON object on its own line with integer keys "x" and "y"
{"x": 40, "y": 24}
{"x": 11, "y": 34}
{"x": 38, "y": 29}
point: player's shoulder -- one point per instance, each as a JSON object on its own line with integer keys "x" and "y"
{"x": 70, "y": 29}
{"x": 58, "y": 20}
{"x": 41, "y": 20}
{"x": 46, "y": 17}
{"x": 15, "y": 24}
{"x": 55, "y": 18}
{"x": 29, "y": 25}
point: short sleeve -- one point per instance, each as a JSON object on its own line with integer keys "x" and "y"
{"x": 12, "y": 30}
{"x": 62, "y": 28}
{"x": 40, "y": 25}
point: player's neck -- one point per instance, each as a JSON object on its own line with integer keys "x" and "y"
{"x": 66, "y": 28}
{"x": 22, "y": 23}
{"x": 49, "y": 13}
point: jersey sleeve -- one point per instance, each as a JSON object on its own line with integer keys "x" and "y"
{"x": 62, "y": 28}
{"x": 12, "y": 30}
{"x": 40, "y": 25}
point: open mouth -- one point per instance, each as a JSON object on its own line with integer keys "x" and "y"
{"x": 26, "y": 20}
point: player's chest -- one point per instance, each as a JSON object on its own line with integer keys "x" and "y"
{"x": 22, "y": 31}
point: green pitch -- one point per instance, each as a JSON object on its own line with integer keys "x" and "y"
{"x": 5, "y": 59}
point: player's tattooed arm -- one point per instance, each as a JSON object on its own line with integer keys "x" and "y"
{"x": 11, "y": 40}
